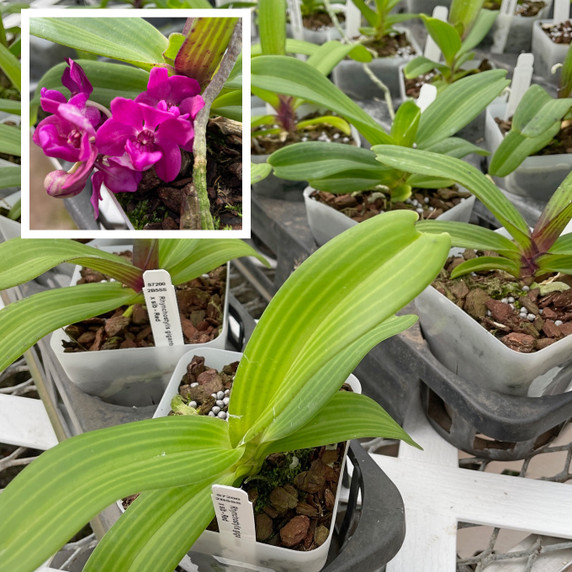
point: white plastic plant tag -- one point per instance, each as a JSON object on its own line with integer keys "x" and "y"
{"x": 502, "y": 24}
{"x": 561, "y": 10}
{"x": 432, "y": 51}
{"x": 427, "y": 95}
{"x": 162, "y": 308}
{"x": 353, "y": 20}
{"x": 234, "y": 513}
{"x": 521, "y": 79}
{"x": 296, "y": 19}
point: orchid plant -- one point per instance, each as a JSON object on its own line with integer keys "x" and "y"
{"x": 139, "y": 129}
{"x": 333, "y": 167}
{"x": 530, "y": 252}
{"x": 25, "y": 259}
{"x": 466, "y": 27}
{"x": 310, "y": 337}
{"x": 536, "y": 121}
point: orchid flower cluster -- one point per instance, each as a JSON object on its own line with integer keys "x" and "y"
{"x": 116, "y": 145}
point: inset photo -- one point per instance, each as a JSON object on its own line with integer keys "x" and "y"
{"x": 135, "y": 123}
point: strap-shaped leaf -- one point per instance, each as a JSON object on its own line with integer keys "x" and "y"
{"x": 555, "y": 263}
{"x": 10, "y": 106}
{"x": 427, "y": 163}
{"x": 157, "y": 530}
{"x": 259, "y": 172}
{"x": 109, "y": 80}
{"x": 131, "y": 40}
{"x": 185, "y": 259}
{"x": 472, "y": 236}
{"x": 71, "y": 483}
{"x": 203, "y": 48}
{"x": 486, "y": 263}
{"x": 370, "y": 15}
{"x": 384, "y": 262}
{"x": 478, "y": 31}
{"x": 421, "y": 65}
{"x": 332, "y": 424}
{"x": 332, "y": 53}
{"x": 555, "y": 216}
{"x": 290, "y": 76}
{"x": 562, "y": 245}
{"x": 25, "y": 259}
{"x": 445, "y": 36}
{"x": 405, "y": 124}
{"x": 10, "y": 176}
{"x": 456, "y": 106}
{"x": 290, "y": 411}
{"x": 10, "y": 139}
{"x": 229, "y": 105}
{"x": 463, "y": 13}
{"x": 456, "y": 147}
{"x": 11, "y": 66}
{"x": 24, "y": 322}
{"x": 331, "y": 120}
{"x": 317, "y": 160}
{"x": 272, "y": 26}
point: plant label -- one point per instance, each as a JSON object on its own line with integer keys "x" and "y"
{"x": 162, "y": 308}
{"x": 353, "y": 20}
{"x": 561, "y": 10}
{"x": 427, "y": 95}
{"x": 521, "y": 79}
{"x": 234, "y": 513}
{"x": 432, "y": 50}
{"x": 296, "y": 19}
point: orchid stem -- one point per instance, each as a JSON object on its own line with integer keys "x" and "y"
{"x": 199, "y": 185}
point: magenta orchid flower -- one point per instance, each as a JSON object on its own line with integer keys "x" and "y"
{"x": 75, "y": 80}
{"x": 68, "y": 184}
{"x": 149, "y": 136}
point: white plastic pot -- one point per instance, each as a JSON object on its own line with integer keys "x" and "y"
{"x": 326, "y": 222}
{"x": 352, "y": 79}
{"x": 546, "y": 52}
{"x": 465, "y": 347}
{"x": 237, "y": 554}
{"x": 536, "y": 177}
{"x": 130, "y": 376}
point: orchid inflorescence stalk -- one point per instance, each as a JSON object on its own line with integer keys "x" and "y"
{"x": 118, "y": 144}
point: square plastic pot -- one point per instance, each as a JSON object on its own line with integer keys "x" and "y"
{"x": 130, "y": 376}
{"x": 351, "y": 78}
{"x": 537, "y": 177}
{"x": 546, "y": 53}
{"x": 326, "y": 222}
{"x": 237, "y": 552}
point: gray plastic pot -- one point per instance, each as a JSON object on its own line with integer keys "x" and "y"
{"x": 546, "y": 52}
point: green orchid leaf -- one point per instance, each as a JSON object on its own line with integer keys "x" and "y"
{"x": 272, "y": 26}
{"x": 10, "y": 140}
{"x": 317, "y": 160}
{"x": 10, "y": 106}
{"x": 331, "y": 120}
{"x": 483, "y": 23}
{"x": 536, "y": 121}
{"x": 370, "y": 15}
{"x": 565, "y": 87}
{"x": 456, "y": 106}
{"x": 420, "y": 66}
{"x": 434, "y": 165}
{"x": 293, "y": 47}
{"x": 259, "y": 172}
{"x": 400, "y": 193}
{"x": 382, "y": 272}
{"x": 229, "y": 105}
{"x": 555, "y": 216}
{"x": 463, "y": 14}
{"x": 10, "y": 64}
{"x": 483, "y": 263}
{"x": 423, "y": 182}
{"x": 16, "y": 211}
{"x": 456, "y": 147}
{"x": 290, "y": 76}
{"x": 405, "y": 124}
{"x": 24, "y": 322}
{"x": 445, "y": 36}
{"x": 555, "y": 263}
{"x": 203, "y": 48}
{"x": 185, "y": 259}
{"x": 176, "y": 41}
{"x": 392, "y": 19}
{"x": 562, "y": 245}
{"x": 158, "y": 518}
{"x": 332, "y": 424}
{"x": 472, "y": 236}
{"x": 330, "y": 54}
{"x": 259, "y": 120}
{"x": 131, "y": 40}
{"x": 353, "y": 180}
{"x": 155, "y": 453}
{"x": 25, "y": 259}
{"x": 109, "y": 80}
{"x": 10, "y": 177}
